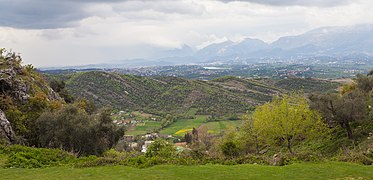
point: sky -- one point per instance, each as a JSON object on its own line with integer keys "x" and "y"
{"x": 75, "y": 32}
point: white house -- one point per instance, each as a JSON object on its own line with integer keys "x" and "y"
{"x": 145, "y": 146}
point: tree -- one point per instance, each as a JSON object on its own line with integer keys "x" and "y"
{"x": 288, "y": 120}
{"x": 188, "y": 138}
{"x": 249, "y": 136}
{"x": 161, "y": 148}
{"x": 341, "y": 110}
{"x": 59, "y": 87}
{"x": 364, "y": 83}
{"x": 72, "y": 129}
{"x": 352, "y": 105}
{"x": 167, "y": 121}
{"x": 229, "y": 143}
{"x": 230, "y": 149}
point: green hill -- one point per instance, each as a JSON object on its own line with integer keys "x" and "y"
{"x": 178, "y": 95}
{"x": 166, "y": 94}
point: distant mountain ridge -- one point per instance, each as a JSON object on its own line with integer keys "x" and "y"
{"x": 335, "y": 42}
{"x": 330, "y": 41}
{"x": 338, "y": 41}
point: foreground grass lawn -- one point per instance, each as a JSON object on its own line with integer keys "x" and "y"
{"x": 332, "y": 170}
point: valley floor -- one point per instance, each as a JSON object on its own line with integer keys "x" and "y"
{"x": 329, "y": 170}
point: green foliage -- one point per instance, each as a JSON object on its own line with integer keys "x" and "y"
{"x": 160, "y": 148}
{"x": 307, "y": 85}
{"x": 354, "y": 156}
{"x": 59, "y": 87}
{"x": 230, "y": 149}
{"x": 168, "y": 94}
{"x": 24, "y": 95}
{"x": 249, "y": 136}
{"x": 288, "y": 121}
{"x": 349, "y": 107}
{"x": 27, "y": 157}
{"x": 72, "y": 129}
{"x": 181, "y": 126}
{"x": 169, "y": 119}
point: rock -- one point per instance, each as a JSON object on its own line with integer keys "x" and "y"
{"x": 263, "y": 151}
{"x": 13, "y": 83}
{"x": 6, "y": 131}
{"x": 52, "y": 95}
{"x": 275, "y": 160}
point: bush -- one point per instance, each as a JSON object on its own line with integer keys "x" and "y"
{"x": 27, "y": 157}
{"x": 93, "y": 161}
{"x": 355, "y": 157}
{"x": 230, "y": 149}
{"x": 254, "y": 159}
{"x": 160, "y": 148}
{"x": 72, "y": 129}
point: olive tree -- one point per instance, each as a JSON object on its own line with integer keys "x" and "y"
{"x": 74, "y": 130}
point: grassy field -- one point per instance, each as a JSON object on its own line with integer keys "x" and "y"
{"x": 219, "y": 126}
{"x": 331, "y": 170}
{"x": 180, "y": 127}
{"x": 147, "y": 126}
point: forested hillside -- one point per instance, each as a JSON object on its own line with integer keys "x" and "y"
{"x": 173, "y": 94}
{"x": 169, "y": 94}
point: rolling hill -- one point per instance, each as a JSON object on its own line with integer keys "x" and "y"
{"x": 178, "y": 95}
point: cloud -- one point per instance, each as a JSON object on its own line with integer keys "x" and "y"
{"x": 39, "y": 14}
{"x": 51, "y": 14}
{"x": 316, "y": 3}
{"x": 69, "y": 32}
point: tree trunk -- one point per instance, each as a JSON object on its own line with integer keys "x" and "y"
{"x": 349, "y": 131}
{"x": 289, "y": 146}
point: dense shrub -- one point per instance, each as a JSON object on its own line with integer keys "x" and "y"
{"x": 230, "y": 149}
{"x": 73, "y": 129}
{"x": 160, "y": 148}
{"x": 355, "y": 158}
{"x": 27, "y": 157}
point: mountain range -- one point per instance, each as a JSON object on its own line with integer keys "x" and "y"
{"x": 338, "y": 42}
{"x": 325, "y": 41}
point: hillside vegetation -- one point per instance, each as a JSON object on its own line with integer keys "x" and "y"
{"x": 35, "y": 112}
{"x": 178, "y": 95}
{"x": 24, "y": 95}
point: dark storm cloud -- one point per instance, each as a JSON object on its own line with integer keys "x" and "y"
{"x": 40, "y": 14}
{"x": 50, "y": 14}
{"x": 44, "y": 14}
{"x": 316, "y": 3}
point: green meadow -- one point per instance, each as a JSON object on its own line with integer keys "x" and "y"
{"x": 328, "y": 170}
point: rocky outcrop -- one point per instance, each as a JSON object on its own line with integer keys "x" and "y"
{"x": 18, "y": 84}
{"x": 10, "y": 85}
{"x": 6, "y": 132}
